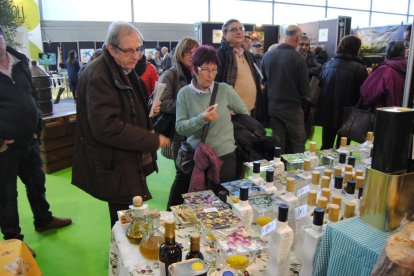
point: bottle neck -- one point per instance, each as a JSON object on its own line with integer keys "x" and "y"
{"x": 277, "y": 159}
{"x": 195, "y": 246}
{"x": 317, "y": 228}
{"x": 243, "y": 203}
{"x": 170, "y": 240}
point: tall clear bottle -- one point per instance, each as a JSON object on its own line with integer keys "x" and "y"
{"x": 255, "y": 177}
{"x": 343, "y": 148}
{"x": 269, "y": 186}
{"x": 281, "y": 241}
{"x": 367, "y": 146}
{"x": 243, "y": 209}
{"x": 292, "y": 201}
{"x": 312, "y": 155}
{"x": 170, "y": 251}
{"x": 315, "y": 183}
{"x": 137, "y": 230}
{"x": 337, "y": 189}
{"x": 277, "y": 162}
{"x": 150, "y": 244}
{"x": 311, "y": 241}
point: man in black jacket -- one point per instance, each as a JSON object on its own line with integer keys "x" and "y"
{"x": 20, "y": 126}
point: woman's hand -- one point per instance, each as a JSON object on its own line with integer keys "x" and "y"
{"x": 210, "y": 114}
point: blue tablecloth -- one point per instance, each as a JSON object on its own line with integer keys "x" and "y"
{"x": 349, "y": 247}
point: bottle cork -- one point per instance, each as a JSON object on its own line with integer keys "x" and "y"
{"x": 327, "y": 172}
{"x": 337, "y": 199}
{"x": 137, "y": 201}
{"x": 344, "y": 141}
{"x": 349, "y": 209}
{"x": 326, "y": 192}
{"x": 359, "y": 181}
{"x": 370, "y": 136}
{"x": 333, "y": 212}
{"x": 312, "y": 198}
{"x": 307, "y": 165}
{"x": 348, "y": 168}
{"x": 290, "y": 184}
{"x": 337, "y": 170}
{"x": 323, "y": 203}
{"x": 359, "y": 173}
{"x": 312, "y": 146}
{"x": 348, "y": 176}
{"x": 325, "y": 181}
{"x": 315, "y": 177}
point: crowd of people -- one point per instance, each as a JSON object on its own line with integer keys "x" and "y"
{"x": 205, "y": 88}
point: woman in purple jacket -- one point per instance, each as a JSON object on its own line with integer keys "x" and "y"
{"x": 385, "y": 85}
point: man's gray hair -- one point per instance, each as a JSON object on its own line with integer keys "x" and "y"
{"x": 118, "y": 29}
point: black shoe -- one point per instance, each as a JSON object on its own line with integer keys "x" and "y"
{"x": 55, "y": 223}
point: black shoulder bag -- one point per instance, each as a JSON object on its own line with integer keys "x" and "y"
{"x": 185, "y": 156}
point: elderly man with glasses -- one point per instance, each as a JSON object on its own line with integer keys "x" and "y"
{"x": 115, "y": 145}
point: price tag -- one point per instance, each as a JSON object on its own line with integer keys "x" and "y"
{"x": 269, "y": 228}
{"x": 303, "y": 191}
{"x": 301, "y": 211}
{"x": 210, "y": 210}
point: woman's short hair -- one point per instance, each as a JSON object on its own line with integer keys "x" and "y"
{"x": 349, "y": 45}
{"x": 118, "y": 29}
{"x": 395, "y": 49}
{"x": 227, "y": 24}
{"x": 205, "y": 54}
{"x": 184, "y": 45}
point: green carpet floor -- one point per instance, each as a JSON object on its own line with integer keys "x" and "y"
{"x": 82, "y": 248}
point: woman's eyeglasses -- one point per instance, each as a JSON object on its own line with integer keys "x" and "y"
{"x": 235, "y": 29}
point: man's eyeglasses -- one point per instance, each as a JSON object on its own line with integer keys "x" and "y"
{"x": 257, "y": 46}
{"x": 206, "y": 70}
{"x": 131, "y": 52}
{"x": 304, "y": 44}
{"x": 236, "y": 30}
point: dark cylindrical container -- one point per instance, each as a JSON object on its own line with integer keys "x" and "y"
{"x": 393, "y": 135}
{"x": 43, "y": 87}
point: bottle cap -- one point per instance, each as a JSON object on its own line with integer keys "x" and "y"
{"x": 359, "y": 180}
{"x": 350, "y": 187}
{"x": 333, "y": 212}
{"x": 223, "y": 196}
{"x": 307, "y": 165}
{"x": 348, "y": 168}
{"x": 315, "y": 177}
{"x": 256, "y": 166}
{"x": 278, "y": 152}
{"x": 342, "y": 157}
{"x": 327, "y": 172}
{"x": 312, "y": 146}
{"x": 337, "y": 199}
{"x": 195, "y": 242}
{"x": 339, "y": 179}
{"x": 169, "y": 229}
{"x": 318, "y": 214}
{"x": 323, "y": 202}
{"x": 360, "y": 191}
{"x": 337, "y": 170}
{"x": 349, "y": 209}
{"x": 244, "y": 193}
{"x": 290, "y": 184}
{"x": 351, "y": 161}
{"x": 269, "y": 175}
{"x": 344, "y": 141}
{"x": 137, "y": 201}
{"x": 348, "y": 176}
{"x": 359, "y": 173}
{"x": 325, "y": 181}
{"x": 228, "y": 273}
{"x": 312, "y": 198}
{"x": 326, "y": 192}
{"x": 370, "y": 136}
{"x": 283, "y": 213}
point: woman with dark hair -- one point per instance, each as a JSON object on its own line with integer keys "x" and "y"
{"x": 194, "y": 111}
{"x": 341, "y": 78}
{"x": 385, "y": 85}
{"x": 175, "y": 78}
{"x": 73, "y": 67}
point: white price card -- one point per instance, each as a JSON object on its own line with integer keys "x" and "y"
{"x": 303, "y": 191}
{"x": 210, "y": 210}
{"x": 269, "y": 228}
{"x": 301, "y": 211}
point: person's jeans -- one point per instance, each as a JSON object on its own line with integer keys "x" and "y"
{"x": 24, "y": 162}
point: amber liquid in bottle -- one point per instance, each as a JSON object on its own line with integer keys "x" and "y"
{"x": 150, "y": 244}
{"x": 170, "y": 251}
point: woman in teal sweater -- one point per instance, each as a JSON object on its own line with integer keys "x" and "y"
{"x": 193, "y": 111}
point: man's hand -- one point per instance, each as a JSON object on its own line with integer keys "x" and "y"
{"x": 5, "y": 146}
{"x": 210, "y": 114}
{"x": 163, "y": 140}
{"x": 157, "y": 107}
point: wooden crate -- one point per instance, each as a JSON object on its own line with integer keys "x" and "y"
{"x": 58, "y": 165}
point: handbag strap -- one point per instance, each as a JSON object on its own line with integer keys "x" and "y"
{"x": 212, "y": 100}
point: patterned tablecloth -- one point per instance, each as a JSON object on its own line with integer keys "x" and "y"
{"x": 125, "y": 258}
{"x": 349, "y": 247}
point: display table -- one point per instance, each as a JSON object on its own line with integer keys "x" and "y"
{"x": 349, "y": 247}
{"x": 126, "y": 259}
{"x": 16, "y": 259}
